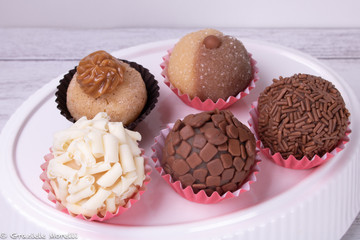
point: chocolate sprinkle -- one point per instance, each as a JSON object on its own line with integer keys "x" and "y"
{"x": 215, "y": 152}
{"x": 302, "y": 115}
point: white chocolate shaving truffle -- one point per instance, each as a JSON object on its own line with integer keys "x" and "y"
{"x": 96, "y": 166}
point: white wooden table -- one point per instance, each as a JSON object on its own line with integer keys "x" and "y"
{"x": 29, "y": 58}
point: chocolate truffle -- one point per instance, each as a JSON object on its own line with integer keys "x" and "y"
{"x": 210, "y": 151}
{"x": 301, "y": 115}
{"x": 209, "y": 64}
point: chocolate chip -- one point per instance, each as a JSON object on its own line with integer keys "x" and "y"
{"x": 248, "y": 165}
{"x": 222, "y": 126}
{"x": 228, "y": 117}
{"x": 227, "y": 175}
{"x": 198, "y": 186}
{"x": 170, "y": 149}
{"x": 238, "y": 163}
{"x": 243, "y": 134}
{"x": 232, "y": 131}
{"x": 243, "y": 152}
{"x": 175, "y": 138}
{"x": 170, "y": 160}
{"x": 187, "y": 179}
{"x": 168, "y": 169}
{"x": 250, "y": 148}
{"x": 194, "y": 160}
{"x": 199, "y": 119}
{"x": 239, "y": 176}
{"x": 187, "y": 119}
{"x": 229, "y": 187}
{"x": 200, "y": 174}
{"x": 199, "y": 141}
{"x": 234, "y": 147}
{"x": 177, "y": 125}
{"x": 187, "y": 132}
{"x": 180, "y": 166}
{"x": 212, "y": 42}
{"x": 236, "y": 122}
{"x": 215, "y": 136}
{"x": 184, "y": 149}
{"x": 213, "y": 181}
{"x": 217, "y": 118}
{"x": 223, "y": 147}
{"x": 226, "y": 160}
{"x": 215, "y": 167}
{"x": 208, "y": 152}
{"x": 206, "y": 126}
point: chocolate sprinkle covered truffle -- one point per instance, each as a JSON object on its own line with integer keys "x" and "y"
{"x": 210, "y": 151}
{"x": 302, "y": 115}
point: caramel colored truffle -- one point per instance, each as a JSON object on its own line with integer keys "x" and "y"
{"x": 123, "y": 104}
{"x": 301, "y": 115}
{"x": 99, "y": 73}
{"x": 207, "y": 157}
{"x": 208, "y": 64}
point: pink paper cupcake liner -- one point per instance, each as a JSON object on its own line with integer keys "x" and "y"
{"x": 291, "y": 162}
{"x": 188, "y": 192}
{"x": 51, "y": 195}
{"x": 208, "y": 104}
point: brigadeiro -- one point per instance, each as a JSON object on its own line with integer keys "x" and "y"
{"x": 302, "y": 117}
{"x": 207, "y": 69}
{"x": 125, "y": 90}
{"x": 210, "y": 152}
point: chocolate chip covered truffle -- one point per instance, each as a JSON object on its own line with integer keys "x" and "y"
{"x": 209, "y": 65}
{"x": 301, "y": 115}
{"x": 210, "y": 151}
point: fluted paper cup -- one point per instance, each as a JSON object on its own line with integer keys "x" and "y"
{"x": 291, "y": 161}
{"x": 188, "y": 192}
{"x": 208, "y": 104}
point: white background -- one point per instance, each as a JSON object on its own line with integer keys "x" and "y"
{"x": 179, "y": 13}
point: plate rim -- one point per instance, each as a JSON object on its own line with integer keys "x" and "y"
{"x": 16, "y": 122}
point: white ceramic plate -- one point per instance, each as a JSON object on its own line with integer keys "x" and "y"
{"x": 282, "y": 204}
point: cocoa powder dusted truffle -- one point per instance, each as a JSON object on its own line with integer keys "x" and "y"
{"x": 209, "y": 65}
{"x": 210, "y": 151}
{"x": 301, "y": 115}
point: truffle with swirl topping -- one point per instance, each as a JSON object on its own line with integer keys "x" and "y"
{"x": 99, "y": 73}
{"x": 103, "y": 83}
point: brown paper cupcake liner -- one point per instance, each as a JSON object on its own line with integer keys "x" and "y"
{"x": 151, "y": 84}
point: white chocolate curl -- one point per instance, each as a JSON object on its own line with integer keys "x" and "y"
{"x": 97, "y": 166}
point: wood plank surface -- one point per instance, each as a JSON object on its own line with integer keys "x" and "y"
{"x": 62, "y": 44}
